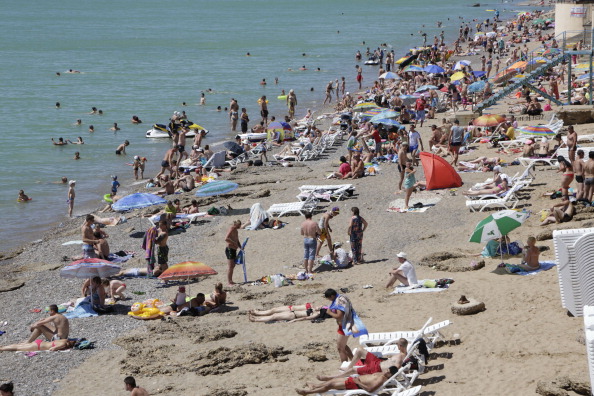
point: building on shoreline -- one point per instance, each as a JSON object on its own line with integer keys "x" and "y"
{"x": 573, "y": 18}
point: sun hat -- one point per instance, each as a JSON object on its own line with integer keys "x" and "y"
{"x": 71, "y": 182}
{"x": 401, "y": 255}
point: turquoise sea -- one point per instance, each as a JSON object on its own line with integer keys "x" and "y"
{"x": 147, "y": 57}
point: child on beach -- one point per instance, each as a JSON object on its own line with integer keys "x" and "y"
{"x": 71, "y": 196}
{"x": 179, "y": 301}
{"x": 114, "y": 185}
{"x": 114, "y": 288}
{"x": 23, "y": 197}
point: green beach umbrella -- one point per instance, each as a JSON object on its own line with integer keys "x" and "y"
{"x": 365, "y": 106}
{"x": 498, "y": 225}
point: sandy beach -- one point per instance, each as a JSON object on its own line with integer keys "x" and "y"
{"x": 522, "y": 338}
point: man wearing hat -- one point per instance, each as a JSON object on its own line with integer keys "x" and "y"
{"x": 420, "y": 109}
{"x": 405, "y": 273}
{"x": 324, "y": 224}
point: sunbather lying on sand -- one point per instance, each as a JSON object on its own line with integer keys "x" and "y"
{"x": 368, "y": 383}
{"x": 39, "y": 345}
{"x": 290, "y": 313}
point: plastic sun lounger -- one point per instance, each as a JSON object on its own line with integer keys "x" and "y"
{"x": 431, "y": 334}
{"x": 296, "y": 207}
{"x": 509, "y": 201}
{"x": 335, "y": 192}
{"x": 178, "y": 217}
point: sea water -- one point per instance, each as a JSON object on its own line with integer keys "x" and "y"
{"x": 146, "y": 57}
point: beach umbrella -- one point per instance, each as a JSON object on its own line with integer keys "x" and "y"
{"x": 275, "y": 126}
{"x": 497, "y": 225}
{"x": 286, "y": 126}
{"x": 522, "y": 13}
{"x": 408, "y": 99}
{"x": 585, "y": 76}
{"x": 433, "y": 69}
{"x": 538, "y": 21}
{"x": 478, "y": 86}
{"x": 461, "y": 64}
{"x": 187, "y": 270}
{"x": 488, "y": 120}
{"x": 424, "y": 88}
{"x": 89, "y": 268}
{"x": 365, "y": 106}
{"x": 518, "y": 65}
{"x": 552, "y": 51}
{"x": 413, "y": 68}
{"x": 385, "y": 121}
{"x": 137, "y": 201}
{"x": 538, "y": 130}
{"x": 371, "y": 113}
{"x": 390, "y": 76}
{"x": 491, "y": 34}
{"x": 216, "y": 187}
{"x": 385, "y": 114}
{"x": 581, "y": 66}
{"x": 457, "y": 76}
{"x": 233, "y": 147}
{"x": 479, "y": 73}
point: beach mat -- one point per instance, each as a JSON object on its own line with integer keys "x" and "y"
{"x": 544, "y": 266}
{"x": 417, "y": 288}
{"x": 428, "y": 201}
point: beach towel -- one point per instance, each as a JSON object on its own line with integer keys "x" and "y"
{"x": 351, "y": 323}
{"x": 257, "y": 216}
{"x": 72, "y": 243}
{"x": 424, "y": 286}
{"x": 82, "y": 310}
{"x": 544, "y": 266}
{"x": 148, "y": 243}
{"x": 427, "y": 200}
{"x": 114, "y": 258}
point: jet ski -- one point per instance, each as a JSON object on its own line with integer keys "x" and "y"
{"x": 162, "y": 131}
{"x": 373, "y": 61}
{"x": 253, "y": 137}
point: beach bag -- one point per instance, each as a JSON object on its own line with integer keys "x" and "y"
{"x": 213, "y": 211}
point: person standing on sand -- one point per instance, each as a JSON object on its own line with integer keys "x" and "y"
{"x": 357, "y": 227}
{"x": 328, "y": 93}
{"x": 456, "y": 137}
{"x": 291, "y": 103}
{"x": 359, "y": 75}
{"x": 55, "y": 327}
{"x": 88, "y": 238}
{"x": 162, "y": 248}
{"x": 348, "y": 322}
{"x": 572, "y": 139}
{"x": 135, "y": 390}
{"x": 310, "y": 231}
{"x": 264, "y": 110}
{"x": 325, "y": 230}
{"x": 233, "y": 113}
{"x": 232, "y": 241}
{"x": 166, "y": 163}
{"x": 71, "y": 196}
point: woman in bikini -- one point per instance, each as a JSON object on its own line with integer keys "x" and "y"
{"x": 216, "y": 298}
{"x": 292, "y": 313}
{"x": 39, "y": 345}
{"x": 566, "y": 169}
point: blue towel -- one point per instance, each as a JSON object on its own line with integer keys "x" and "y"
{"x": 82, "y": 310}
{"x": 350, "y": 320}
{"x": 544, "y": 266}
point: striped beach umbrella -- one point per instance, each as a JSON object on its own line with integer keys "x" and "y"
{"x": 424, "y": 88}
{"x": 216, "y": 187}
{"x": 385, "y": 121}
{"x": 390, "y": 76}
{"x": 488, "y": 120}
{"x": 498, "y": 225}
{"x": 365, "y": 106}
{"x": 461, "y": 64}
{"x": 385, "y": 114}
{"x": 187, "y": 270}
{"x": 89, "y": 268}
{"x": 413, "y": 68}
{"x": 538, "y": 130}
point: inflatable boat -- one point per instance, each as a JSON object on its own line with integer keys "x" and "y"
{"x": 253, "y": 137}
{"x": 372, "y": 61}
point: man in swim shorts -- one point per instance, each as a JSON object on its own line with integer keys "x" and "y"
{"x": 325, "y": 230}
{"x": 54, "y": 327}
{"x": 88, "y": 239}
{"x": 135, "y": 390}
{"x": 310, "y": 231}
{"x": 368, "y": 383}
{"x": 166, "y": 163}
{"x": 232, "y": 240}
{"x": 589, "y": 177}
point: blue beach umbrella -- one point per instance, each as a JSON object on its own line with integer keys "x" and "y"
{"x": 424, "y": 88}
{"x": 479, "y": 73}
{"x": 385, "y": 121}
{"x": 390, "y": 76}
{"x": 478, "y": 86}
{"x": 408, "y": 99}
{"x": 137, "y": 201}
{"x": 217, "y": 187}
{"x": 433, "y": 69}
{"x": 385, "y": 114}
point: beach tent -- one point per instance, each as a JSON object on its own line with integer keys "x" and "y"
{"x": 438, "y": 172}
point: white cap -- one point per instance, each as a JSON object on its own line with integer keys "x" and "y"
{"x": 136, "y": 157}
{"x": 348, "y": 93}
{"x": 71, "y": 182}
{"x": 401, "y": 255}
{"x": 497, "y": 169}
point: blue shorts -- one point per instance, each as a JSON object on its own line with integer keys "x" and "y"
{"x": 412, "y": 149}
{"x": 309, "y": 246}
{"x": 420, "y": 115}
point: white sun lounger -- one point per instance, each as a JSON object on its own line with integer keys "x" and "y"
{"x": 392, "y": 386}
{"x": 509, "y": 201}
{"x": 335, "y": 192}
{"x": 431, "y": 334}
{"x": 296, "y": 207}
{"x": 589, "y": 335}
{"x": 565, "y": 152}
{"x": 178, "y": 217}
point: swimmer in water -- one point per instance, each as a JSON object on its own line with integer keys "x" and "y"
{"x": 184, "y": 104}
{"x": 57, "y": 105}
{"x": 23, "y": 197}
{"x": 100, "y": 112}
{"x": 71, "y": 71}
{"x": 79, "y": 140}
{"x": 122, "y": 148}
{"x": 60, "y": 142}
{"x": 276, "y": 80}
{"x": 263, "y": 82}
{"x": 303, "y": 68}
{"x": 202, "y": 99}
{"x": 91, "y": 128}
{"x": 136, "y": 120}
{"x": 58, "y": 74}
{"x": 78, "y": 122}
{"x": 115, "y": 127}
{"x": 76, "y": 156}
{"x": 218, "y": 108}
{"x": 304, "y": 54}
{"x": 93, "y": 110}
{"x": 248, "y": 54}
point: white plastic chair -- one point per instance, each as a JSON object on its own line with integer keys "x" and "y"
{"x": 299, "y": 207}
{"x": 430, "y": 333}
{"x": 509, "y": 201}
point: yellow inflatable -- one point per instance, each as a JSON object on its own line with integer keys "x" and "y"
{"x": 147, "y": 310}
{"x": 107, "y": 198}
{"x": 260, "y": 100}
{"x": 282, "y": 97}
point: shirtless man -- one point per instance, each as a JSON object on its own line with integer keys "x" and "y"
{"x": 578, "y": 170}
{"x": 193, "y": 208}
{"x": 372, "y": 364}
{"x": 325, "y": 230}
{"x": 135, "y": 390}
{"x": 60, "y": 142}
{"x": 310, "y": 231}
{"x": 198, "y": 138}
{"x": 368, "y": 383}
{"x": 186, "y": 183}
{"x": 531, "y": 253}
{"x": 181, "y": 143}
{"x": 263, "y": 110}
{"x": 167, "y": 185}
{"x": 166, "y": 163}
{"x": 572, "y": 138}
{"x": 71, "y": 196}
{"x": 122, "y": 148}
{"x": 115, "y": 127}
{"x": 589, "y": 177}
{"x": 101, "y": 245}
{"x": 435, "y": 137}
{"x": 162, "y": 248}
{"x": 54, "y": 327}
{"x": 357, "y": 166}
{"x": 88, "y": 238}
{"x": 232, "y": 241}
{"x": 402, "y": 160}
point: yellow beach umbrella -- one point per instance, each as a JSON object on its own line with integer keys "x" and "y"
{"x": 399, "y": 61}
{"x": 581, "y": 66}
{"x": 457, "y": 76}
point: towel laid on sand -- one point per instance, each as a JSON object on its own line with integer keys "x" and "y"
{"x": 544, "y": 266}
{"x": 115, "y": 258}
{"x": 422, "y": 286}
{"x": 82, "y": 310}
